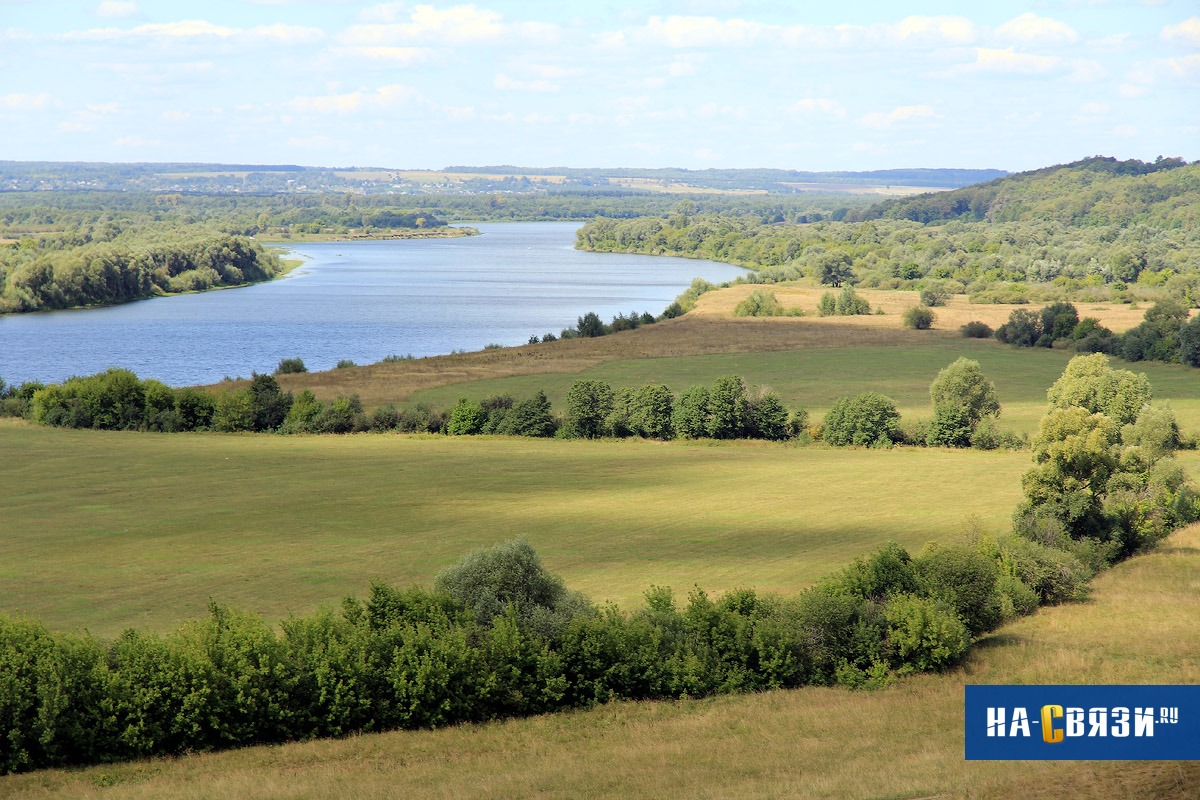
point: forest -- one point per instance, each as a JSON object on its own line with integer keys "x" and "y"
{"x": 1093, "y": 230}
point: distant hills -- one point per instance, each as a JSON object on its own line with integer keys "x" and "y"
{"x": 289, "y": 178}
{"x": 1091, "y": 191}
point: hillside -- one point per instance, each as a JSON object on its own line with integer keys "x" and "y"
{"x": 1089, "y": 192}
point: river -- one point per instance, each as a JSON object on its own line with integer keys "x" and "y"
{"x": 359, "y": 301}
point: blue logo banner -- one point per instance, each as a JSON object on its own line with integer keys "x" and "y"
{"x": 1079, "y": 723}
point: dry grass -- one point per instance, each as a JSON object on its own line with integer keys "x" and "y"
{"x": 902, "y": 742}
{"x": 957, "y": 312}
{"x": 691, "y": 335}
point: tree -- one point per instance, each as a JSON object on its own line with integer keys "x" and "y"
{"x": 588, "y": 405}
{"x": 1189, "y": 343}
{"x": 590, "y": 326}
{"x": 866, "y": 419}
{"x": 269, "y": 403}
{"x": 691, "y": 413}
{"x": 650, "y": 412}
{"x": 728, "y": 409}
{"x": 832, "y": 268}
{"x": 1090, "y": 383}
{"x": 530, "y": 417}
{"x": 961, "y": 397}
{"x": 466, "y": 418}
{"x": 768, "y": 417}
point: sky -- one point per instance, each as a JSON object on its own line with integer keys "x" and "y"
{"x": 611, "y": 83}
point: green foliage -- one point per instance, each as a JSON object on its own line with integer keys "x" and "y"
{"x": 651, "y": 412}
{"x": 466, "y": 418}
{"x": 590, "y": 326}
{"x": 925, "y": 632}
{"x": 935, "y": 295}
{"x": 965, "y": 579}
{"x": 589, "y": 404}
{"x": 345, "y": 363}
{"x": 490, "y": 581}
{"x": 728, "y": 408}
{"x": 269, "y": 403}
{"x": 1089, "y": 383}
{"x": 832, "y": 268}
{"x": 691, "y": 413}
{"x": 976, "y": 330}
{"x": 290, "y": 366}
{"x": 962, "y": 396}
{"x": 530, "y": 417}
{"x": 919, "y": 318}
{"x": 759, "y": 303}
{"x": 305, "y": 414}
{"x": 863, "y": 420}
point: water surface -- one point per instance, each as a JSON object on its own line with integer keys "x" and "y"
{"x": 356, "y": 300}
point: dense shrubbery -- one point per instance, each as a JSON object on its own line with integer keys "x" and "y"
{"x": 846, "y": 303}
{"x": 919, "y": 318}
{"x": 868, "y": 419}
{"x": 1165, "y": 334}
{"x": 498, "y": 637}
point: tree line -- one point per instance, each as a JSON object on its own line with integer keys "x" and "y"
{"x": 109, "y": 264}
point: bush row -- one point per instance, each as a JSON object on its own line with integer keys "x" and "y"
{"x": 1165, "y": 333}
{"x": 497, "y": 637}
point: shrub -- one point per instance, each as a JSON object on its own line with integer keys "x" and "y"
{"x": 925, "y": 633}
{"x": 768, "y": 418}
{"x": 962, "y": 396}
{"x": 827, "y": 305}
{"x": 305, "y": 414}
{"x": 759, "y": 303}
{"x": 345, "y": 363}
{"x": 965, "y": 579}
{"x": 850, "y": 303}
{"x": 975, "y": 330}
{"x": 530, "y": 417}
{"x": 466, "y": 418}
{"x": 935, "y": 296}
{"x": 290, "y": 366}
{"x": 343, "y": 415}
{"x": 919, "y": 318}
{"x": 865, "y": 419}
{"x": 588, "y": 405}
{"x": 490, "y": 580}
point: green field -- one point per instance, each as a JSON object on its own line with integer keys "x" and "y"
{"x": 109, "y": 530}
{"x": 814, "y": 378}
{"x": 905, "y": 741}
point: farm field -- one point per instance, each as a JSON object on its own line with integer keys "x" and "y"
{"x": 109, "y": 530}
{"x": 902, "y": 741}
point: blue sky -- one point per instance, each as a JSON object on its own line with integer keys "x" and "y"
{"x": 684, "y": 83}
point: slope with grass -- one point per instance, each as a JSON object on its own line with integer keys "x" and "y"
{"x": 903, "y": 741}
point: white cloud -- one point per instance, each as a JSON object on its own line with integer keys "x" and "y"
{"x": 1186, "y": 32}
{"x": 197, "y": 28}
{"x": 449, "y": 26}
{"x": 117, "y": 9}
{"x": 508, "y": 84}
{"x": 21, "y": 101}
{"x": 1029, "y": 28}
{"x": 350, "y": 102}
{"x": 897, "y": 115}
{"x": 954, "y": 30}
{"x": 395, "y": 56}
{"x": 684, "y": 32}
{"x": 817, "y": 107}
{"x": 1010, "y": 62}
{"x": 1094, "y": 108}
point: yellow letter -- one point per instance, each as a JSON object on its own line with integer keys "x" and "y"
{"x": 1050, "y": 734}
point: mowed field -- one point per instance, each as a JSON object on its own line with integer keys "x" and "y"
{"x": 904, "y": 741}
{"x": 110, "y": 530}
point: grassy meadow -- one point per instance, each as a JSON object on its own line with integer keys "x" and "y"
{"x": 109, "y": 530}
{"x": 904, "y": 741}
{"x": 810, "y": 361}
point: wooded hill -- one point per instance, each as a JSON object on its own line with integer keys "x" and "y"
{"x": 1095, "y": 230}
{"x": 1093, "y": 191}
